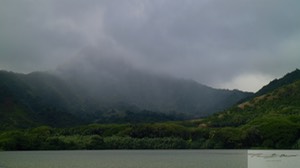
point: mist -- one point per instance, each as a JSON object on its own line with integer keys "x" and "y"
{"x": 235, "y": 44}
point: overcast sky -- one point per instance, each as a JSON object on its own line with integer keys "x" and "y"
{"x": 239, "y": 44}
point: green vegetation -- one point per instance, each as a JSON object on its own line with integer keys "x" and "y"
{"x": 268, "y": 121}
{"x": 277, "y": 83}
{"x": 95, "y": 136}
{"x": 65, "y": 99}
{"x": 273, "y": 132}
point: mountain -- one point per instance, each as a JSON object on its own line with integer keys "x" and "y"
{"x": 269, "y": 120}
{"x": 34, "y": 99}
{"x": 95, "y": 89}
{"x": 276, "y": 83}
{"x": 107, "y": 82}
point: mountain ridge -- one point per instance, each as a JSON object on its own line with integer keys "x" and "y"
{"x": 268, "y": 121}
{"x": 85, "y": 93}
{"x": 286, "y": 79}
{"x": 142, "y": 88}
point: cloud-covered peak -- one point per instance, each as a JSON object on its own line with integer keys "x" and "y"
{"x": 214, "y": 42}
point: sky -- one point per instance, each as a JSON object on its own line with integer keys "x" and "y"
{"x": 234, "y": 44}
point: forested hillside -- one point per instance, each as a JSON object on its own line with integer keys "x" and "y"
{"x": 276, "y": 83}
{"x": 269, "y": 121}
{"x": 104, "y": 91}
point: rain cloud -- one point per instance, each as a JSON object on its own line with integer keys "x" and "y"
{"x": 239, "y": 44}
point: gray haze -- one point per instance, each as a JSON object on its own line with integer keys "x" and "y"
{"x": 222, "y": 43}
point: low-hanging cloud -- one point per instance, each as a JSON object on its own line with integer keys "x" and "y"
{"x": 215, "y": 42}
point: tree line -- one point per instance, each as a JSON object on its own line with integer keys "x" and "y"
{"x": 172, "y": 135}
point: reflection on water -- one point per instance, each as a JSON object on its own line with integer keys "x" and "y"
{"x": 273, "y": 158}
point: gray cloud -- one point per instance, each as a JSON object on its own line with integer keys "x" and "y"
{"x": 218, "y": 43}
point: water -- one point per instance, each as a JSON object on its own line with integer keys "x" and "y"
{"x": 125, "y": 159}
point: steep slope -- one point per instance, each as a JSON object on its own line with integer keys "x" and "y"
{"x": 107, "y": 82}
{"x": 267, "y": 121}
{"x": 270, "y": 120}
{"x": 276, "y": 83}
{"x": 34, "y": 99}
{"x": 283, "y": 101}
{"x": 104, "y": 90}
